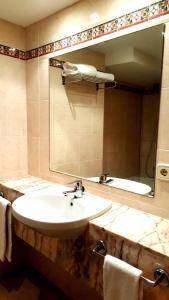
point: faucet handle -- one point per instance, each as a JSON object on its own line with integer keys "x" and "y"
{"x": 78, "y": 185}
{"x": 77, "y": 190}
{"x": 103, "y": 177}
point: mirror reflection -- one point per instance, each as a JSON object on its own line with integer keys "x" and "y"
{"x": 104, "y": 110}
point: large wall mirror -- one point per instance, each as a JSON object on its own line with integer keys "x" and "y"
{"x": 104, "y": 111}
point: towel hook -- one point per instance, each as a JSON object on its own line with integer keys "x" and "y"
{"x": 160, "y": 275}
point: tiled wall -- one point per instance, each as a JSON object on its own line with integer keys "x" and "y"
{"x": 12, "y": 35}
{"x": 13, "y": 106}
{"x": 121, "y": 152}
{"x": 68, "y": 22}
{"x": 38, "y": 96}
{"x": 38, "y": 88}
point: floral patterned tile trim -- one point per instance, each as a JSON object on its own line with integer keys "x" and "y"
{"x": 145, "y": 14}
{"x": 13, "y": 52}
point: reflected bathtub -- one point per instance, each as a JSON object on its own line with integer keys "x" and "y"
{"x": 126, "y": 184}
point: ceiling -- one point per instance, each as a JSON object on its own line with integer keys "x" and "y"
{"x": 25, "y": 13}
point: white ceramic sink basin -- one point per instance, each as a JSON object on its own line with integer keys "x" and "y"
{"x": 58, "y": 215}
{"x": 127, "y": 185}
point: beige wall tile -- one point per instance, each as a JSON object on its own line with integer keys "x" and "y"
{"x": 91, "y": 147}
{"x": 32, "y": 36}
{"x": 44, "y": 119}
{"x": 44, "y": 79}
{"x": 161, "y": 195}
{"x": 164, "y": 103}
{"x": 14, "y": 155}
{"x": 70, "y": 168}
{"x": 34, "y": 156}
{"x": 12, "y": 83}
{"x": 163, "y": 131}
{"x": 13, "y": 118}
{"x": 33, "y": 111}
{"x": 32, "y": 80}
{"x": 12, "y": 35}
{"x": 165, "y": 73}
{"x": 44, "y": 156}
{"x": 91, "y": 168}
{"x": 163, "y": 156}
{"x": 58, "y": 145}
{"x": 163, "y": 140}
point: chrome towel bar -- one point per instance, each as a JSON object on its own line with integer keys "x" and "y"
{"x": 161, "y": 277}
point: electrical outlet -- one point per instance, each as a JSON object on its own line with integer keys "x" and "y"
{"x": 162, "y": 171}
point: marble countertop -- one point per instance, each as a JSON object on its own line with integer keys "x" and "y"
{"x": 139, "y": 227}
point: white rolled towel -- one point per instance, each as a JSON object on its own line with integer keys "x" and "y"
{"x": 71, "y": 72}
{"x": 102, "y": 77}
{"x": 77, "y": 72}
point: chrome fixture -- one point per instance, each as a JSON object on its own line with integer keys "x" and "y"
{"x": 103, "y": 179}
{"x": 78, "y": 189}
{"x": 161, "y": 277}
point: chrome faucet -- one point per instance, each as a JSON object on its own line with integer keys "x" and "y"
{"x": 103, "y": 179}
{"x": 78, "y": 189}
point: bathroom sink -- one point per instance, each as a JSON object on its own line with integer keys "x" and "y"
{"x": 126, "y": 184}
{"x": 58, "y": 215}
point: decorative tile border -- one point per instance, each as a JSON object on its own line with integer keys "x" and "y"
{"x": 13, "y": 52}
{"x": 145, "y": 14}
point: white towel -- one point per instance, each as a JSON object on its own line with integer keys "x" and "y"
{"x": 69, "y": 68}
{"x": 121, "y": 281}
{"x": 102, "y": 77}
{"x": 77, "y": 72}
{"x": 5, "y": 230}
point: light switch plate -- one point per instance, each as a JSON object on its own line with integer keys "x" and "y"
{"x": 162, "y": 171}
